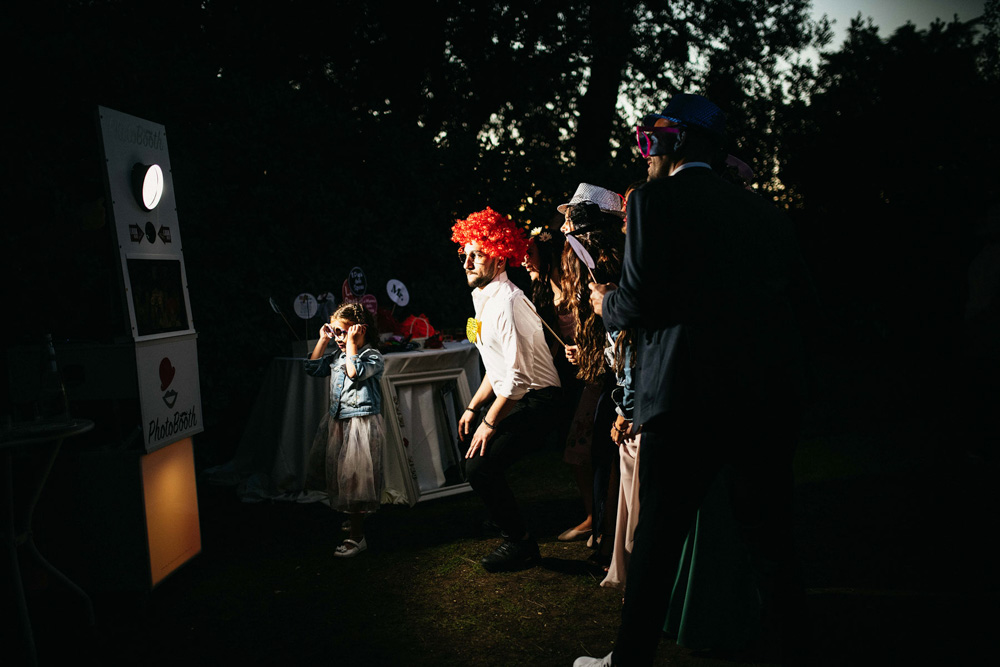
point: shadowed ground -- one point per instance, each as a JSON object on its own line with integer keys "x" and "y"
{"x": 895, "y": 521}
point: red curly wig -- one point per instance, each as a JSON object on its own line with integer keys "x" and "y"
{"x": 496, "y": 234}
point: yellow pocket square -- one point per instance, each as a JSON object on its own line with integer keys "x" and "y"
{"x": 473, "y": 328}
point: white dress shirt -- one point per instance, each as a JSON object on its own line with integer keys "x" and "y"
{"x": 511, "y": 341}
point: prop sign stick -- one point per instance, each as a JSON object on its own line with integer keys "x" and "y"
{"x": 306, "y": 306}
{"x": 398, "y": 293}
{"x": 546, "y": 324}
{"x": 552, "y": 332}
{"x": 275, "y": 308}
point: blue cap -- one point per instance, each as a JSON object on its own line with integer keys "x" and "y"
{"x": 696, "y": 111}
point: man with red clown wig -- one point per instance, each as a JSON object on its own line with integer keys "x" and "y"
{"x": 520, "y": 391}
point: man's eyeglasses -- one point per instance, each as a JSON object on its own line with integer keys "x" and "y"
{"x": 648, "y": 136}
{"x": 477, "y": 257}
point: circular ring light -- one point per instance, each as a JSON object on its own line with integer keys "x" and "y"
{"x": 147, "y": 180}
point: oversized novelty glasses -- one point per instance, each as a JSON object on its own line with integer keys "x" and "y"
{"x": 335, "y": 332}
{"x": 648, "y": 137}
{"x": 477, "y": 257}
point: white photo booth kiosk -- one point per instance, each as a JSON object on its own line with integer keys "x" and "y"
{"x": 157, "y": 485}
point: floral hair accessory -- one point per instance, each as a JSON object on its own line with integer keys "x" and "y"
{"x": 496, "y": 234}
{"x": 540, "y": 233}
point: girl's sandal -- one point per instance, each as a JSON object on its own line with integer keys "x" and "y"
{"x": 350, "y": 548}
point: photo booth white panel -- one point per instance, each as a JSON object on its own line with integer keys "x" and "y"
{"x": 154, "y": 280}
{"x": 169, "y": 390}
{"x": 149, "y": 241}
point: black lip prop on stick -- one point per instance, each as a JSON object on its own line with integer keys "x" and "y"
{"x": 274, "y": 307}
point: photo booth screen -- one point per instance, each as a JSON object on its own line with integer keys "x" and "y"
{"x": 157, "y": 296}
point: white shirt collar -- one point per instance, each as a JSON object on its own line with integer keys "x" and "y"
{"x": 482, "y": 294}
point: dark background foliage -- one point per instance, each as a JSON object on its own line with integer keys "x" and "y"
{"x": 310, "y": 137}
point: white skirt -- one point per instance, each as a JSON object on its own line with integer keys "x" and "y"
{"x": 346, "y": 461}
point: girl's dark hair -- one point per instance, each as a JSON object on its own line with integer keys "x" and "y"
{"x": 606, "y": 245}
{"x": 355, "y": 313}
{"x": 549, "y": 244}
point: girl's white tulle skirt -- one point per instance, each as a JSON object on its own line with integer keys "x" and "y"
{"x": 346, "y": 461}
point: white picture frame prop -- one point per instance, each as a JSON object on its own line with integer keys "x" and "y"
{"x": 433, "y": 446}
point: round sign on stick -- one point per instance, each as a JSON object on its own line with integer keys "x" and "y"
{"x": 398, "y": 293}
{"x": 370, "y": 303}
{"x": 357, "y": 281}
{"x": 582, "y": 254}
{"x": 580, "y": 251}
{"x": 305, "y": 305}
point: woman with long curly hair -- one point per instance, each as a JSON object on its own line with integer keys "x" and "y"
{"x": 589, "y": 448}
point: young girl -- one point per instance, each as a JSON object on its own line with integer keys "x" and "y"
{"x": 346, "y": 455}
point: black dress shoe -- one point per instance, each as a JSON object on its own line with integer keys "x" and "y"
{"x": 491, "y": 526}
{"x": 512, "y": 555}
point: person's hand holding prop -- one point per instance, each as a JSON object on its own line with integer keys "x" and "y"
{"x": 597, "y": 293}
{"x": 572, "y": 354}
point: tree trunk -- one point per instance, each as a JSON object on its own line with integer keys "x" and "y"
{"x": 610, "y": 25}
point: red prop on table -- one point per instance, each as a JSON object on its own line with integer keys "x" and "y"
{"x": 417, "y": 326}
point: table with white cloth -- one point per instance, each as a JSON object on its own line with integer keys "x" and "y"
{"x": 423, "y": 395}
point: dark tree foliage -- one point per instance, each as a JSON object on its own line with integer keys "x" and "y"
{"x": 310, "y": 137}
{"x": 892, "y": 166}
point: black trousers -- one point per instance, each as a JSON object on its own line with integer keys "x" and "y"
{"x": 521, "y": 432}
{"x": 680, "y": 457}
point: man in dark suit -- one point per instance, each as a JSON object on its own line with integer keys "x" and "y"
{"x": 708, "y": 281}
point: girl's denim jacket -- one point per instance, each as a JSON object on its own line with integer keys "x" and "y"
{"x": 352, "y": 397}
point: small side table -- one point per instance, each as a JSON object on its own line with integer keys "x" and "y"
{"x": 40, "y": 442}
